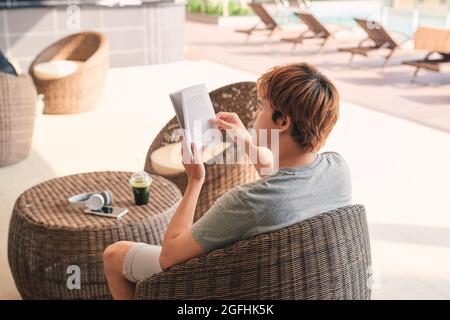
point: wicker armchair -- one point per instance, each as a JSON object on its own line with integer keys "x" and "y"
{"x": 240, "y": 98}
{"x": 324, "y": 257}
{"x": 18, "y": 99}
{"x": 81, "y": 90}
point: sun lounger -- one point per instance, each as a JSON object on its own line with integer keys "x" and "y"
{"x": 270, "y": 25}
{"x": 437, "y": 43}
{"x": 316, "y": 30}
{"x": 378, "y": 38}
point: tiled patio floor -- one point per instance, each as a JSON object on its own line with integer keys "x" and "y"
{"x": 426, "y": 102}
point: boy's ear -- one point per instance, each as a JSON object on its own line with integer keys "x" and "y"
{"x": 284, "y": 123}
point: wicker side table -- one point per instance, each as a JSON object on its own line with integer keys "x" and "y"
{"x": 46, "y": 236}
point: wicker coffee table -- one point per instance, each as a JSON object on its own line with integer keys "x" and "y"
{"x": 48, "y": 241}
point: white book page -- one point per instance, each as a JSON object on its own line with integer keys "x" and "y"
{"x": 198, "y": 114}
{"x": 177, "y": 104}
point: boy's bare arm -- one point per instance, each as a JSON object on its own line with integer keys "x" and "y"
{"x": 178, "y": 244}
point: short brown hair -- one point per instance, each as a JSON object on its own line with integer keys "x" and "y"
{"x": 309, "y": 98}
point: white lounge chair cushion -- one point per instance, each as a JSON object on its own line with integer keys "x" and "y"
{"x": 167, "y": 159}
{"x": 56, "y": 69}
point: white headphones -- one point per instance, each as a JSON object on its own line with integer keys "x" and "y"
{"x": 91, "y": 200}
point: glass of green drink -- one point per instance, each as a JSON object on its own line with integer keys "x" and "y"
{"x": 140, "y": 183}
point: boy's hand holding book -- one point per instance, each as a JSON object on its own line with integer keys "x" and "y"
{"x": 230, "y": 121}
{"x": 195, "y": 169}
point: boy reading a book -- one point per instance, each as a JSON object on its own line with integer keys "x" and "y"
{"x": 302, "y": 105}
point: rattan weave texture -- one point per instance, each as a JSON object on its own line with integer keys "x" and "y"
{"x": 80, "y": 91}
{"x": 46, "y": 236}
{"x": 325, "y": 257}
{"x": 18, "y": 99}
{"x": 240, "y": 98}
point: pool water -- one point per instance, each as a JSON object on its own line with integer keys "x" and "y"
{"x": 393, "y": 20}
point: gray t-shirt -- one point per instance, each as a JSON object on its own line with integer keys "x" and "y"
{"x": 274, "y": 202}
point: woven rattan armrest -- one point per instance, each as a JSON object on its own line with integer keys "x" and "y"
{"x": 324, "y": 257}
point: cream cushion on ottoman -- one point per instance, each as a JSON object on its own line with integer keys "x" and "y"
{"x": 167, "y": 159}
{"x": 56, "y": 69}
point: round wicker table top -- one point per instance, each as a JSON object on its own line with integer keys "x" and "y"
{"x": 46, "y": 204}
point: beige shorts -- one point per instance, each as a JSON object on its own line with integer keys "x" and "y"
{"x": 141, "y": 262}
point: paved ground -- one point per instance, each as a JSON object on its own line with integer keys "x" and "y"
{"x": 426, "y": 102}
{"x": 400, "y": 173}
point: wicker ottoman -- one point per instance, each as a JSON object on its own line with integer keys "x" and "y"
{"x": 47, "y": 239}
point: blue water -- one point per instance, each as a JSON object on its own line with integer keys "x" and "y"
{"x": 398, "y": 21}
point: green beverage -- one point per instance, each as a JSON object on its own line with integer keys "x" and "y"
{"x": 140, "y": 183}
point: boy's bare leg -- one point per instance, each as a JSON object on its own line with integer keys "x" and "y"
{"x": 113, "y": 259}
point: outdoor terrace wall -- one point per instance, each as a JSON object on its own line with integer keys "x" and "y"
{"x": 150, "y": 33}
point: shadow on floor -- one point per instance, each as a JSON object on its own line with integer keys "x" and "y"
{"x": 250, "y": 43}
{"x": 284, "y": 52}
{"x": 16, "y": 178}
{"x": 429, "y": 99}
{"x": 398, "y": 79}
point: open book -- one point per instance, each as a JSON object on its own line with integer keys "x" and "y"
{"x": 195, "y": 113}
